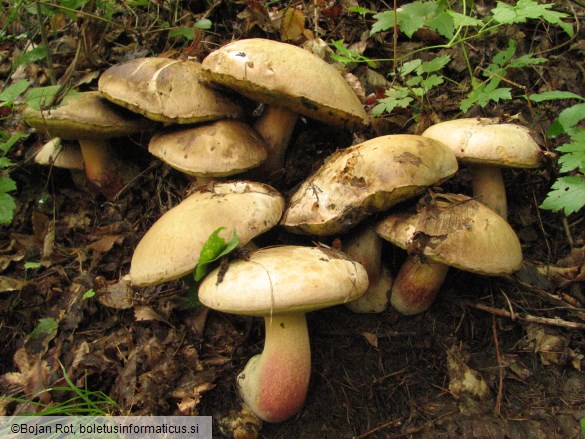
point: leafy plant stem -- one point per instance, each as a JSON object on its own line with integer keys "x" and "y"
{"x": 48, "y": 56}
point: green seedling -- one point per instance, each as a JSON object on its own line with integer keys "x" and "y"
{"x": 213, "y": 250}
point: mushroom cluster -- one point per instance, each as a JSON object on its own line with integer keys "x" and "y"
{"x": 201, "y": 130}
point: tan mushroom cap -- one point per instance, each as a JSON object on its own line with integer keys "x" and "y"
{"x": 61, "y": 154}
{"x": 222, "y": 148}
{"x": 171, "y": 247}
{"x": 489, "y": 142}
{"x": 284, "y": 75}
{"x": 166, "y": 90}
{"x": 86, "y": 115}
{"x": 366, "y": 178}
{"x": 285, "y": 279}
{"x": 458, "y": 231}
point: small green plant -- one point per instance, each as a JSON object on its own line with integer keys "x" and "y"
{"x": 212, "y": 251}
{"x": 568, "y": 191}
{"x": 83, "y": 401}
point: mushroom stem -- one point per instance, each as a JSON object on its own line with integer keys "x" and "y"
{"x": 489, "y": 188}
{"x": 274, "y": 384}
{"x": 416, "y": 285}
{"x": 365, "y": 247}
{"x": 276, "y": 126}
{"x": 103, "y": 168}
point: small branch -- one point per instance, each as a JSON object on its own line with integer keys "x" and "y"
{"x": 498, "y": 403}
{"x": 555, "y": 321}
{"x": 48, "y": 56}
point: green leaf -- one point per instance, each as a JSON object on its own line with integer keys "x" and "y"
{"x": 347, "y": 56}
{"x": 5, "y": 146}
{"x": 567, "y": 195}
{"x": 31, "y": 56}
{"x": 46, "y": 328}
{"x": 410, "y": 66}
{"x": 10, "y": 94}
{"x": 214, "y": 248}
{"x": 7, "y": 208}
{"x": 524, "y": 10}
{"x": 525, "y": 61}
{"x": 362, "y": 11}
{"x": 435, "y": 65}
{"x": 32, "y": 265}
{"x": 462, "y": 20}
{"x": 384, "y": 21}
{"x": 415, "y": 15}
{"x": 204, "y": 24}
{"x": 7, "y": 184}
{"x": 570, "y": 117}
{"x": 399, "y": 98}
{"x": 573, "y": 156}
{"x": 88, "y": 294}
{"x": 443, "y": 24}
{"x": 185, "y": 32}
{"x": 39, "y": 96}
{"x": 432, "y": 81}
{"x": 554, "y": 95}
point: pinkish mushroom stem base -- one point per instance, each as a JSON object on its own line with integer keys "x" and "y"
{"x": 103, "y": 167}
{"x": 416, "y": 285}
{"x": 274, "y": 384}
{"x": 276, "y": 127}
{"x": 489, "y": 188}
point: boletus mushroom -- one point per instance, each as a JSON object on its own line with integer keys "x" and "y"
{"x": 487, "y": 145}
{"x": 367, "y": 178}
{"x": 281, "y": 284}
{"x": 92, "y": 121}
{"x": 291, "y": 81}
{"x": 170, "y": 249}
{"x": 447, "y": 230}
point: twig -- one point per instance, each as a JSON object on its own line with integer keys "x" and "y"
{"x": 555, "y": 321}
{"x": 498, "y": 403}
{"x": 48, "y": 56}
{"x": 393, "y": 423}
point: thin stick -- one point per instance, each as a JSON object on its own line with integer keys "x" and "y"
{"x": 498, "y": 403}
{"x": 555, "y": 321}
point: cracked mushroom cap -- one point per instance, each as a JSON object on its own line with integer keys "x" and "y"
{"x": 459, "y": 231}
{"x": 487, "y": 141}
{"x": 285, "y": 279}
{"x": 85, "y": 115}
{"x": 170, "y": 248}
{"x": 219, "y": 149}
{"x": 284, "y": 75}
{"x": 366, "y": 178}
{"x": 166, "y": 90}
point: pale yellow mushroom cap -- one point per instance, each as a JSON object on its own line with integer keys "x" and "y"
{"x": 284, "y": 75}
{"x": 366, "y": 178}
{"x": 459, "y": 231}
{"x": 285, "y": 279}
{"x": 488, "y": 141}
{"x": 86, "y": 115}
{"x": 165, "y": 90}
{"x": 170, "y": 248}
{"x": 219, "y": 149}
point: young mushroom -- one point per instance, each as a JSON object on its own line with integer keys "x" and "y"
{"x": 281, "y": 284}
{"x": 488, "y": 145}
{"x": 170, "y": 248}
{"x": 447, "y": 230}
{"x": 291, "y": 81}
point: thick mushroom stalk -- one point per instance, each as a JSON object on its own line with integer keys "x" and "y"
{"x": 104, "y": 168}
{"x": 447, "y": 230}
{"x": 416, "y": 285}
{"x": 276, "y": 126}
{"x": 274, "y": 384}
{"x": 489, "y": 189}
